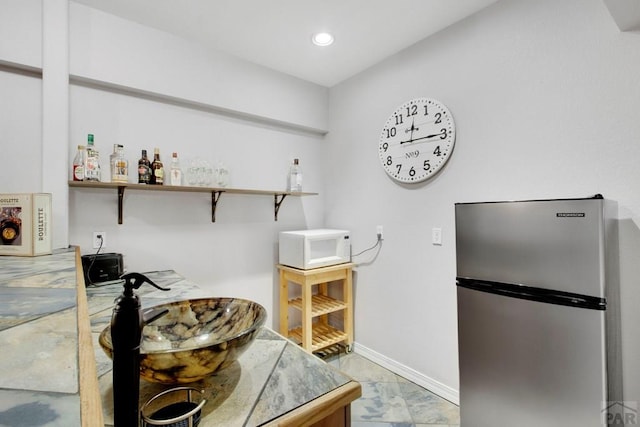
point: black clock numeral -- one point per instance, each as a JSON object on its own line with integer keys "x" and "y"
{"x": 426, "y": 110}
{"x": 443, "y": 135}
{"x": 412, "y": 110}
{"x": 389, "y": 161}
{"x": 399, "y": 166}
{"x": 391, "y": 132}
{"x": 398, "y": 119}
{"x": 412, "y": 171}
{"x": 385, "y": 146}
{"x": 438, "y": 118}
{"x": 437, "y": 151}
{"x": 426, "y": 165}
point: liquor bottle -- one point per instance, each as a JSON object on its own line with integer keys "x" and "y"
{"x": 176, "y": 172}
{"x": 157, "y": 169}
{"x": 144, "y": 169}
{"x": 295, "y": 177}
{"x": 78, "y": 164}
{"x": 119, "y": 166}
{"x": 92, "y": 161}
{"x": 112, "y": 162}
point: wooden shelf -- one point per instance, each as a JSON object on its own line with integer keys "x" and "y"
{"x": 321, "y": 336}
{"x": 216, "y": 192}
{"x": 320, "y": 305}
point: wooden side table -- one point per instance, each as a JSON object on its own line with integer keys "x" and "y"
{"x": 313, "y": 336}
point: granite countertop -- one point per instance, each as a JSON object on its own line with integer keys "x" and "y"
{"x": 39, "y": 373}
{"x": 39, "y": 341}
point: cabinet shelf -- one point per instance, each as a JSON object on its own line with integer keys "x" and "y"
{"x": 320, "y": 305}
{"x": 322, "y": 336}
{"x": 216, "y": 192}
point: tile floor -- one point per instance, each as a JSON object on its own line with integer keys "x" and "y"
{"x": 389, "y": 400}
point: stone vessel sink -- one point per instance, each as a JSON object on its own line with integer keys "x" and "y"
{"x": 196, "y": 338}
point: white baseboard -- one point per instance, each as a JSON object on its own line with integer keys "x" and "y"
{"x": 436, "y": 387}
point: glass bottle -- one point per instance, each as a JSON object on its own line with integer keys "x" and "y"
{"x": 119, "y": 166}
{"x": 112, "y": 162}
{"x": 176, "y": 172}
{"x": 92, "y": 161}
{"x": 157, "y": 168}
{"x": 78, "y": 164}
{"x": 295, "y": 177}
{"x": 144, "y": 169}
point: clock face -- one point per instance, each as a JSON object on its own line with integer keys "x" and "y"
{"x": 417, "y": 140}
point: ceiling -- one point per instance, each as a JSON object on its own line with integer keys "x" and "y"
{"x": 277, "y": 33}
{"x": 626, "y": 13}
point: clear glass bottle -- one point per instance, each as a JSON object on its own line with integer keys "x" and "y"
{"x": 295, "y": 177}
{"x": 78, "y": 164}
{"x": 119, "y": 166}
{"x": 112, "y": 162}
{"x": 176, "y": 171}
{"x": 157, "y": 168}
{"x": 92, "y": 161}
{"x": 144, "y": 169}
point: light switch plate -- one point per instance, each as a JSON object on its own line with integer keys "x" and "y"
{"x": 436, "y": 236}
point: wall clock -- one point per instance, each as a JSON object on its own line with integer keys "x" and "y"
{"x": 417, "y": 140}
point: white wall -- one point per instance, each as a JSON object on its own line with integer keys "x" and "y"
{"x": 113, "y": 50}
{"x": 143, "y": 88}
{"x": 21, "y": 32}
{"x": 21, "y": 102}
{"x": 546, "y": 100}
{"x": 273, "y": 118}
{"x": 34, "y": 105}
{"x": 20, "y": 132}
{"x": 235, "y": 256}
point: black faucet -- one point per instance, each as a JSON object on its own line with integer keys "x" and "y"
{"x": 126, "y": 335}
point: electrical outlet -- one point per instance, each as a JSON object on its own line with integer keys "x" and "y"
{"x": 379, "y": 232}
{"x": 99, "y": 239}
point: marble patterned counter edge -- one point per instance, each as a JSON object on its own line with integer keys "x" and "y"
{"x": 39, "y": 373}
{"x": 330, "y": 410}
{"x": 90, "y": 399}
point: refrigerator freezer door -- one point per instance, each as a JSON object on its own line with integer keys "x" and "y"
{"x": 554, "y": 244}
{"x": 529, "y": 364}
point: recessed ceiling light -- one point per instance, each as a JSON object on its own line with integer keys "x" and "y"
{"x": 322, "y": 39}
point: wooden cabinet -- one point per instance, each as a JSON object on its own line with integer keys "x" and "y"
{"x": 315, "y": 332}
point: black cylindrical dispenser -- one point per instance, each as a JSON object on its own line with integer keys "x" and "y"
{"x": 126, "y": 334}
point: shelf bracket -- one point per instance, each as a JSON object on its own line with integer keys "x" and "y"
{"x": 277, "y": 203}
{"x": 120, "y": 202}
{"x": 215, "y": 196}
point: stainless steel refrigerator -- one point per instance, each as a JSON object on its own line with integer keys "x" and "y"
{"x": 538, "y": 319}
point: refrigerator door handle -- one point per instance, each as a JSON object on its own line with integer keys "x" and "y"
{"x": 531, "y": 293}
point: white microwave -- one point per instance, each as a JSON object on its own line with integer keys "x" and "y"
{"x": 307, "y": 249}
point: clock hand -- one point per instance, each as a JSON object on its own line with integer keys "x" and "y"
{"x": 423, "y": 137}
{"x": 430, "y": 136}
{"x": 411, "y": 129}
